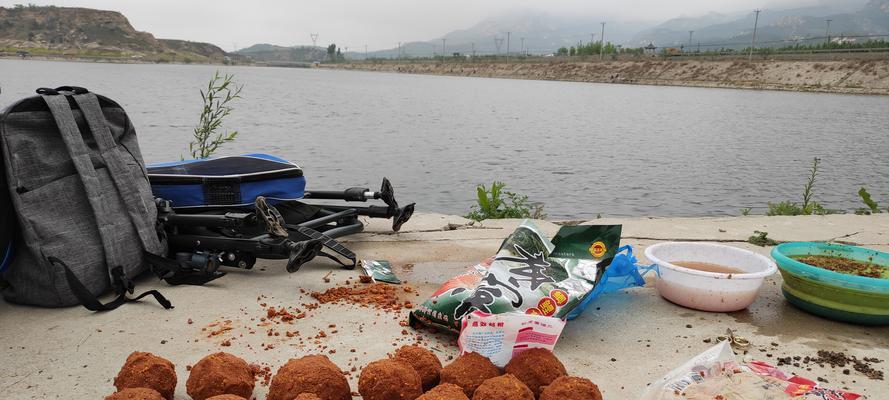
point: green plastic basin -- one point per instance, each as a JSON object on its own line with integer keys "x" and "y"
{"x": 834, "y": 295}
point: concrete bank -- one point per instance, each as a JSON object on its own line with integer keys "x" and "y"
{"x": 72, "y": 353}
{"x": 852, "y": 76}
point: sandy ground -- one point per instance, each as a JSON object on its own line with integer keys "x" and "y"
{"x": 852, "y": 76}
{"x": 623, "y": 342}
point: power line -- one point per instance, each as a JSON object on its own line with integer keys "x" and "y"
{"x": 498, "y": 41}
{"x": 507, "y": 47}
{"x": 796, "y": 40}
{"x": 602, "y": 39}
{"x": 753, "y": 44}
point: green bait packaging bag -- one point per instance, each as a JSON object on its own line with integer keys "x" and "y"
{"x": 529, "y": 274}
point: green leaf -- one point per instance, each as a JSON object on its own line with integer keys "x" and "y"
{"x": 495, "y": 194}
{"x": 482, "y": 194}
{"x": 868, "y": 201}
{"x": 496, "y": 203}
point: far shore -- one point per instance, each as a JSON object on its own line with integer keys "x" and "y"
{"x": 868, "y": 77}
{"x": 857, "y": 76}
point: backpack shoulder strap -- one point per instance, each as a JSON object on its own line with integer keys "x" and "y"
{"x": 79, "y": 153}
{"x": 117, "y": 168}
{"x": 80, "y": 157}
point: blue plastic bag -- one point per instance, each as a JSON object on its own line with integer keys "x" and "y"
{"x": 624, "y": 272}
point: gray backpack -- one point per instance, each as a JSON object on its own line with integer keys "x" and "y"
{"x": 86, "y": 218}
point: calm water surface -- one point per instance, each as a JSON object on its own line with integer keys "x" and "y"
{"x": 582, "y": 149}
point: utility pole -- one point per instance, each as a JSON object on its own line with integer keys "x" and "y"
{"x": 314, "y": 37}
{"x": 828, "y": 33}
{"x": 473, "y": 49}
{"x": 365, "y": 52}
{"x": 507, "y": 47}
{"x": 443, "y": 48}
{"x": 498, "y": 42}
{"x": 398, "y": 52}
{"x": 690, "y": 33}
{"x": 753, "y": 44}
{"x": 602, "y": 47}
{"x": 523, "y": 46}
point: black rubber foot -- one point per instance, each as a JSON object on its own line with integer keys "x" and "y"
{"x": 303, "y": 252}
{"x": 403, "y": 216}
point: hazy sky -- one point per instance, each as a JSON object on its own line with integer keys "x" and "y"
{"x": 377, "y": 23}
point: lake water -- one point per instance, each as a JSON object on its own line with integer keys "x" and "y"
{"x": 582, "y": 149}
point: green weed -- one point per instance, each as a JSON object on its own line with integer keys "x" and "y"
{"x": 761, "y": 239}
{"x": 809, "y": 206}
{"x": 497, "y": 203}
{"x": 220, "y": 92}
{"x": 784, "y": 208}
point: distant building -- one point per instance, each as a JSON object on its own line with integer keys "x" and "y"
{"x": 843, "y": 40}
{"x": 651, "y": 49}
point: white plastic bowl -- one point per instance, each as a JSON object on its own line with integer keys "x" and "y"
{"x": 709, "y": 291}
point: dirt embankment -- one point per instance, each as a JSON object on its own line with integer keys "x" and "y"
{"x": 857, "y": 76}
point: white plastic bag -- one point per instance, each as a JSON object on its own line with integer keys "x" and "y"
{"x": 716, "y": 361}
{"x": 501, "y": 336}
{"x": 717, "y": 374}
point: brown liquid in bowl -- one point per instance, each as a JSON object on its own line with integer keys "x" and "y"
{"x": 708, "y": 267}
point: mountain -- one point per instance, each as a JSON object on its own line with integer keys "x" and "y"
{"x": 686, "y": 23}
{"x": 877, "y": 14}
{"x": 542, "y": 32}
{"x": 83, "y": 32}
{"x": 776, "y": 26}
{"x": 272, "y": 53}
{"x": 200, "y": 48}
{"x": 91, "y": 33}
{"x": 676, "y": 29}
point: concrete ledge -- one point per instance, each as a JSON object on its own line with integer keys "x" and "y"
{"x": 72, "y": 353}
{"x": 853, "y": 229}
